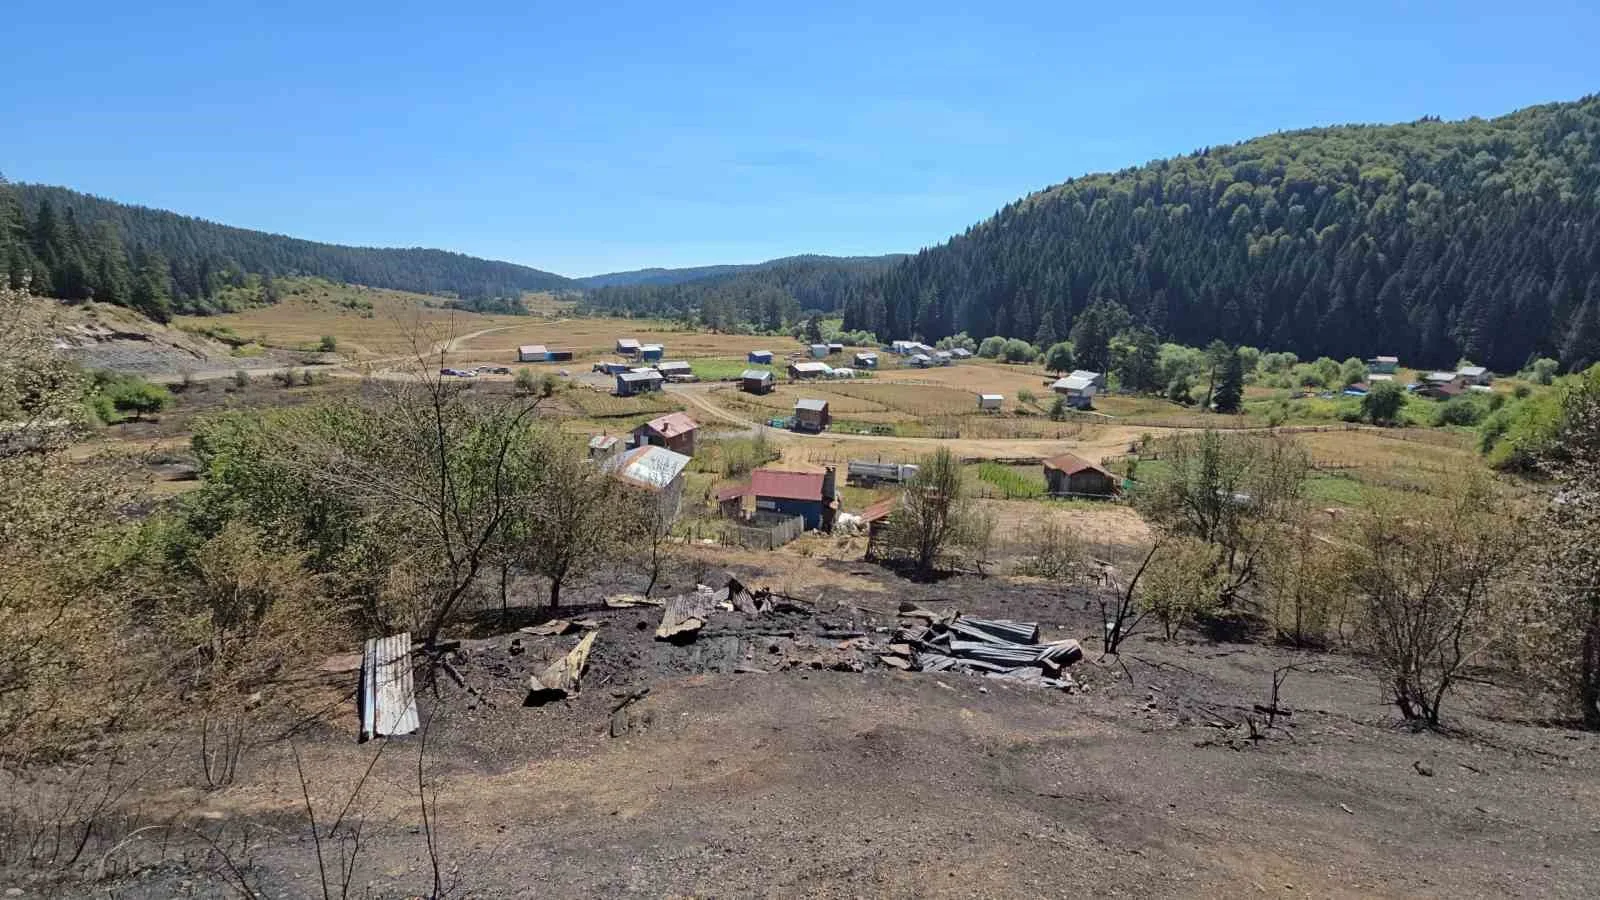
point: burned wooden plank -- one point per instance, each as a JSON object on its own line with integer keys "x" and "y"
{"x": 560, "y": 678}
{"x": 684, "y": 616}
{"x": 388, "y": 700}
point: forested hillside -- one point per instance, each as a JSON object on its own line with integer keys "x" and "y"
{"x": 659, "y": 276}
{"x": 1433, "y": 240}
{"x": 769, "y": 295}
{"x": 73, "y": 246}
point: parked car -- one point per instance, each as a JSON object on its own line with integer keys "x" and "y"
{"x": 498, "y": 370}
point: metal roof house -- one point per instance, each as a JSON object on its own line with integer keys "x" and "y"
{"x": 628, "y": 346}
{"x": 942, "y": 357}
{"x": 808, "y": 369}
{"x": 817, "y": 351}
{"x": 674, "y": 431}
{"x": 811, "y": 415}
{"x": 1076, "y": 389}
{"x": 1475, "y": 375}
{"x": 652, "y": 352}
{"x": 867, "y": 360}
{"x": 531, "y": 353}
{"x": 961, "y": 353}
{"x": 1383, "y": 365}
{"x": 638, "y": 382}
{"x": 1098, "y": 379}
{"x": 813, "y": 496}
{"x": 676, "y": 369}
{"x": 1068, "y": 474}
{"x": 757, "y": 381}
{"x": 835, "y": 347}
{"x": 655, "y": 470}
{"x": 760, "y": 357}
{"x": 921, "y": 360}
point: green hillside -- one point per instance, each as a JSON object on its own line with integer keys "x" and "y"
{"x": 1432, "y": 240}
{"x": 74, "y": 246}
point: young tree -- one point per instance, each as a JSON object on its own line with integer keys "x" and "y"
{"x": 1181, "y": 583}
{"x": 1382, "y": 404}
{"x": 1058, "y": 358}
{"x": 572, "y": 516}
{"x": 992, "y": 347}
{"x": 933, "y": 511}
{"x": 1230, "y": 388}
{"x": 1435, "y": 593}
{"x": 1233, "y": 492}
{"x": 1351, "y": 371}
{"x": 1139, "y": 368}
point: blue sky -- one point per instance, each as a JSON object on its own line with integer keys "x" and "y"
{"x": 589, "y": 137}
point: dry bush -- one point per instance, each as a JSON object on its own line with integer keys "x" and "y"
{"x": 1306, "y": 589}
{"x": 1181, "y": 583}
{"x": 1436, "y": 594}
{"x": 1054, "y": 551}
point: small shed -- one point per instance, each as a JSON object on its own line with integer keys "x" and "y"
{"x": 639, "y": 382}
{"x": 942, "y": 358}
{"x": 876, "y": 517}
{"x": 817, "y": 351}
{"x": 730, "y": 500}
{"x": 835, "y": 347}
{"x": 960, "y": 353}
{"x": 531, "y": 353}
{"x": 1475, "y": 375}
{"x": 628, "y": 346}
{"x": 1383, "y": 365}
{"x": 757, "y": 381}
{"x": 611, "y": 367}
{"x": 651, "y": 352}
{"x": 604, "y": 446}
{"x": 991, "y": 402}
{"x": 813, "y": 496}
{"x": 866, "y": 360}
{"x": 674, "y": 431}
{"x": 1073, "y": 475}
{"x": 558, "y": 356}
{"x": 811, "y": 415}
{"x": 799, "y": 370}
{"x": 759, "y": 357}
{"x": 921, "y": 360}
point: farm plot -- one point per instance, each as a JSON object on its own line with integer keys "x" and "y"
{"x": 365, "y": 323}
{"x": 980, "y": 378}
{"x": 920, "y": 400}
{"x": 600, "y": 405}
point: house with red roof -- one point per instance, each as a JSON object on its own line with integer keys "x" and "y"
{"x": 674, "y": 431}
{"x": 1073, "y": 475}
{"x": 813, "y": 496}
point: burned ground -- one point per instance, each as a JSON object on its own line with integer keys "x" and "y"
{"x": 753, "y": 762}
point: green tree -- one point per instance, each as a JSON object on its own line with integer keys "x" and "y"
{"x": 1058, "y": 358}
{"x": 1139, "y": 369}
{"x": 934, "y": 513}
{"x": 1018, "y": 351}
{"x": 1230, "y": 387}
{"x": 1351, "y": 371}
{"x": 992, "y": 347}
{"x": 1382, "y": 404}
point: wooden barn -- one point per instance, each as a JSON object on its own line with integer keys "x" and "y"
{"x": 1075, "y": 476}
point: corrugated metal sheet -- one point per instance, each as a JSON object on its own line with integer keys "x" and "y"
{"x": 811, "y": 405}
{"x": 388, "y": 701}
{"x": 756, "y": 375}
{"x": 650, "y": 466}
{"x": 671, "y": 424}
{"x": 1072, "y": 465}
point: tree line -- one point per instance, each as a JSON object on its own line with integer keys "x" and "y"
{"x": 1430, "y": 240}
{"x": 60, "y": 243}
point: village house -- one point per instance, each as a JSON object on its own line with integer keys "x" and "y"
{"x": 904, "y": 348}
{"x": 817, "y": 351}
{"x": 801, "y": 370}
{"x": 531, "y": 353}
{"x": 1475, "y": 375}
{"x": 757, "y": 381}
{"x": 628, "y": 346}
{"x": 811, "y": 415}
{"x": 942, "y": 357}
{"x": 1077, "y": 389}
{"x": 991, "y": 402}
{"x": 1073, "y": 475}
{"x": 604, "y": 446}
{"x": 638, "y": 381}
{"x": 813, "y": 496}
{"x": 674, "y": 431}
{"x": 866, "y": 360}
{"x": 1383, "y": 365}
{"x": 612, "y": 368}
{"x": 1098, "y": 379}
{"x": 676, "y": 371}
{"x": 835, "y": 347}
{"x": 960, "y": 353}
{"x": 759, "y": 357}
{"x": 921, "y": 360}
{"x": 558, "y": 356}
{"x": 1441, "y": 385}
{"x": 651, "y": 352}
{"x": 654, "y": 470}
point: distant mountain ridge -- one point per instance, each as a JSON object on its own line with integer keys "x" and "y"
{"x": 660, "y": 276}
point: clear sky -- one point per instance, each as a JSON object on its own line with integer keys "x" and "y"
{"x": 582, "y": 137}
